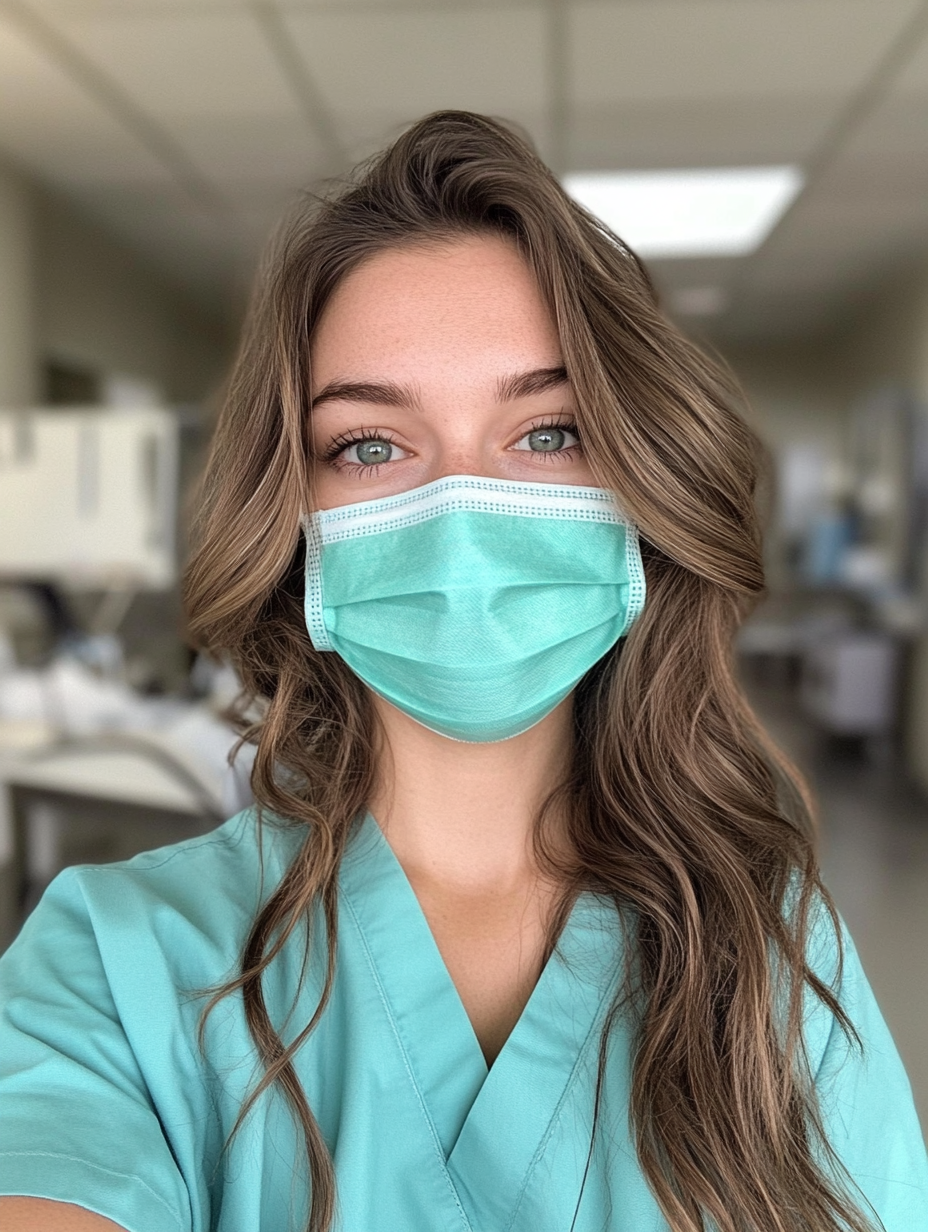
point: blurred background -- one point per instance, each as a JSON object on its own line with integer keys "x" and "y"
{"x": 769, "y": 158}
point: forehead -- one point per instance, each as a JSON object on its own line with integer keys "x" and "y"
{"x": 468, "y": 299}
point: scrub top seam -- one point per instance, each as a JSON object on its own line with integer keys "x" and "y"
{"x": 211, "y": 839}
{"x": 558, "y": 1111}
{"x": 886, "y": 1180}
{"x": 381, "y": 992}
{"x": 88, "y": 1163}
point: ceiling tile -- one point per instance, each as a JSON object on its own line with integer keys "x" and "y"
{"x": 363, "y": 134}
{"x": 688, "y": 271}
{"x": 403, "y": 64}
{"x": 913, "y": 77}
{"x": 341, "y": 6}
{"x": 874, "y": 183}
{"x": 117, "y": 8}
{"x": 670, "y": 277}
{"x": 698, "y": 133}
{"x": 897, "y": 126}
{"x": 822, "y": 237}
{"x": 50, "y": 125}
{"x": 651, "y": 83}
{"x": 185, "y": 63}
{"x": 795, "y": 289}
{"x": 281, "y": 150}
{"x": 764, "y": 317}
{"x": 727, "y": 49}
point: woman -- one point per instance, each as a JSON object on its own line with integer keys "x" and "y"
{"x": 527, "y": 932}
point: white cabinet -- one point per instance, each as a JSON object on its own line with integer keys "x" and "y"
{"x": 89, "y": 497}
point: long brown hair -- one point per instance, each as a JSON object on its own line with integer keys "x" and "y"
{"x": 679, "y": 806}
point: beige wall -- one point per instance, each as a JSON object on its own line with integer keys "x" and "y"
{"x": 805, "y": 392}
{"x": 888, "y": 343}
{"x": 99, "y": 305}
{"x": 888, "y": 339}
{"x": 71, "y": 292}
{"x": 793, "y": 399}
{"x": 792, "y": 392}
{"x": 18, "y": 367}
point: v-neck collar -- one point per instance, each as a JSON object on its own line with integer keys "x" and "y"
{"x": 553, "y": 1043}
{"x": 442, "y": 1050}
{"x": 492, "y": 1126}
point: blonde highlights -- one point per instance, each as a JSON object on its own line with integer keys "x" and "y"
{"x": 679, "y": 807}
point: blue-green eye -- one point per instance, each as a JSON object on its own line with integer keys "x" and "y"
{"x": 370, "y": 452}
{"x": 550, "y": 438}
{"x": 363, "y": 450}
{"x": 546, "y": 440}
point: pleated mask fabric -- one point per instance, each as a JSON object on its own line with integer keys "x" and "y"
{"x": 475, "y": 605}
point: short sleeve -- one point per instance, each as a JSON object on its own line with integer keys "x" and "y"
{"x": 867, "y": 1107}
{"x": 77, "y": 1123}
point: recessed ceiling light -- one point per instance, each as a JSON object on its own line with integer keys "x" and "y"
{"x": 728, "y": 211}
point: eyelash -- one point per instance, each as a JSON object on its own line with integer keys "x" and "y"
{"x": 340, "y": 444}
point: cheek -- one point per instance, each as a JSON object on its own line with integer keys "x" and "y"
{"x": 523, "y": 465}
{"x": 325, "y": 486}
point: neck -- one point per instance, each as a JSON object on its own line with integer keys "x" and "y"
{"x": 464, "y": 814}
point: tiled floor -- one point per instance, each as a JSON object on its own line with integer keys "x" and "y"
{"x": 874, "y": 852}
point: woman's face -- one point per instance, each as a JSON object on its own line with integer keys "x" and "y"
{"x": 436, "y": 360}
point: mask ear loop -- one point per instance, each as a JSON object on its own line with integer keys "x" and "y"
{"x": 312, "y": 601}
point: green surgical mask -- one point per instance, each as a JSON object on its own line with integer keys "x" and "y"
{"x": 474, "y": 605}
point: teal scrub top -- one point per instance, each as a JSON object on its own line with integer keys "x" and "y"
{"x": 107, "y": 1102}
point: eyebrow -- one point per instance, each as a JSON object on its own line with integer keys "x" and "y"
{"x": 387, "y": 393}
{"x": 524, "y": 384}
{"x": 379, "y": 393}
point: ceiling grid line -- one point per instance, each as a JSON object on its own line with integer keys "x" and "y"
{"x": 186, "y": 125}
{"x": 862, "y": 104}
{"x": 119, "y": 105}
{"x": 829, "y": 147}
{"x": 268, "y": 16}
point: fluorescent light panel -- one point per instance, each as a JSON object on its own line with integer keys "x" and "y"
{"x": 728, "y": 211}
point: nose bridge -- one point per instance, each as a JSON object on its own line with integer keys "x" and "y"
{"x": 462, "y": 444}
{"x": 459, "y": 464}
